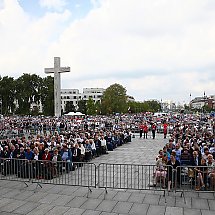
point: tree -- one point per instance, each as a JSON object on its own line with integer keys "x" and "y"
{"x": 91, "y": 110}
{"x": 146, "y": 106}
{"x": 153, "y": 106}
{"x": 114, "y": 100}
{"x": 206, "y": 108}
{"x": 7, "y": 93}
{"x": 47, "y": 95}
{"x": 27, "y": 92}
{"x": 98, "y": 107}
{"x": 69, "y": 107}
{"x": 82, "y": 107}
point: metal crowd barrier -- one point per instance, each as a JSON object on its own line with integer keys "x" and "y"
{"x": 10, "y": 170}
{"x": 198, "y": 178}
{"x": 49, "y": 172}
{"x": 114, "y": 176}
{"x": 133, "y": 176}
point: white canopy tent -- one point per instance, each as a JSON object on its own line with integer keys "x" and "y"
{"x": 74, "y": 114}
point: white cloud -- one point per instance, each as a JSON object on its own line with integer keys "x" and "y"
{"x": 96, "y": 3}
{"x": 77, "y": 5}
{"x": 24, "y": 41}
{"x": 155, "y": 48}
{"x": 53, "y": 4}
{"x": 137, "y": 38}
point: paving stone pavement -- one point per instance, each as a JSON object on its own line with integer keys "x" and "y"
{"x": 16, "y": 198}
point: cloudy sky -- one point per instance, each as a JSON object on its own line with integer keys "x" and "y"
{"x": 157, "y": 49}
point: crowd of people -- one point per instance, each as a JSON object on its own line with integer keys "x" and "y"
{"x": 71, "y": 139}
{"x": 190, "y": 148}
{"x": 66, "y": 141}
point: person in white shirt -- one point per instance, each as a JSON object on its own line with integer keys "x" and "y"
{"x": 93, "y": 146}
{"x": 103, "y": 145}
{"x": 81, "y": 147}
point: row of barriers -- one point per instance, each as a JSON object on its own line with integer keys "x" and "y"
{"x": 114, "y": 176}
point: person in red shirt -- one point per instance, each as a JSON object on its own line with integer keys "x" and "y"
{"x": 46, "y": 155}
{"x": 145, "y": 131}
{"x": 153, "y": 130}
{"x": 165, "y": 126}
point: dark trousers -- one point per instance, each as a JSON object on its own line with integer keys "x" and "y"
{"x": 153, "y": 134}
{"x": 141, "y": 133}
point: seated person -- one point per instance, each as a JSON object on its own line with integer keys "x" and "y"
{"x": 201, "y": 174}
{"x": 211, "y": 171}
{"x": 195, "y": 160}
{"x": 185, "y": 156}
{"x": 160, "y": 172}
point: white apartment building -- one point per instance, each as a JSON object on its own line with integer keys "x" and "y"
{"x": 73, "y": 95}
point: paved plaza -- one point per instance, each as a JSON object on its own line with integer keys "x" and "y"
{"x": 16, "y": 198}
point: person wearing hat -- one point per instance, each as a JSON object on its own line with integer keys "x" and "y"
{"x": 46, "y": 155}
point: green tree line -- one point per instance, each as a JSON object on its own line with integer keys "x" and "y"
{"x": 115, "y": 100}
{"x": 23, "y": 96}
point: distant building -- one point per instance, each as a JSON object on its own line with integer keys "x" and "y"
{"x": 199, "y": 102}
{"x": 73, "y": 95}
{"x": 168, "y": 106}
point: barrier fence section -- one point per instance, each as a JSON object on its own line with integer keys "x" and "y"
{"x": 198, "y": 178}
{"x": 132, "y": 176}
{"x": 10, "y": 170}
{"x": 114, "y": 176}
{"x": 49, "y": 172}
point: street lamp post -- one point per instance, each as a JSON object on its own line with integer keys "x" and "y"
{"x": 161, "y": 106}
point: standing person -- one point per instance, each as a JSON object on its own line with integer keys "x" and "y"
{"x": 56, "y": 163}
{"x": 141, "y": 127}
{"x": 82, "y": 149}
{"x": 172, "y": 164}
{"x": 103, "y": 145}
{"x": 47, "y": 165}
{"x": 67, "y": 157}
{"x": 98, "y": 146}
{"x": 88, "y": 150}
{"x": 145, "y": 131}
{"x": 153, "y": 130}
{"x": 165, "y": 127}
{"x": 77, "y": 153}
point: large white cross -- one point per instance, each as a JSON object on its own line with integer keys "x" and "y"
{"x": 57, "y": 83}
